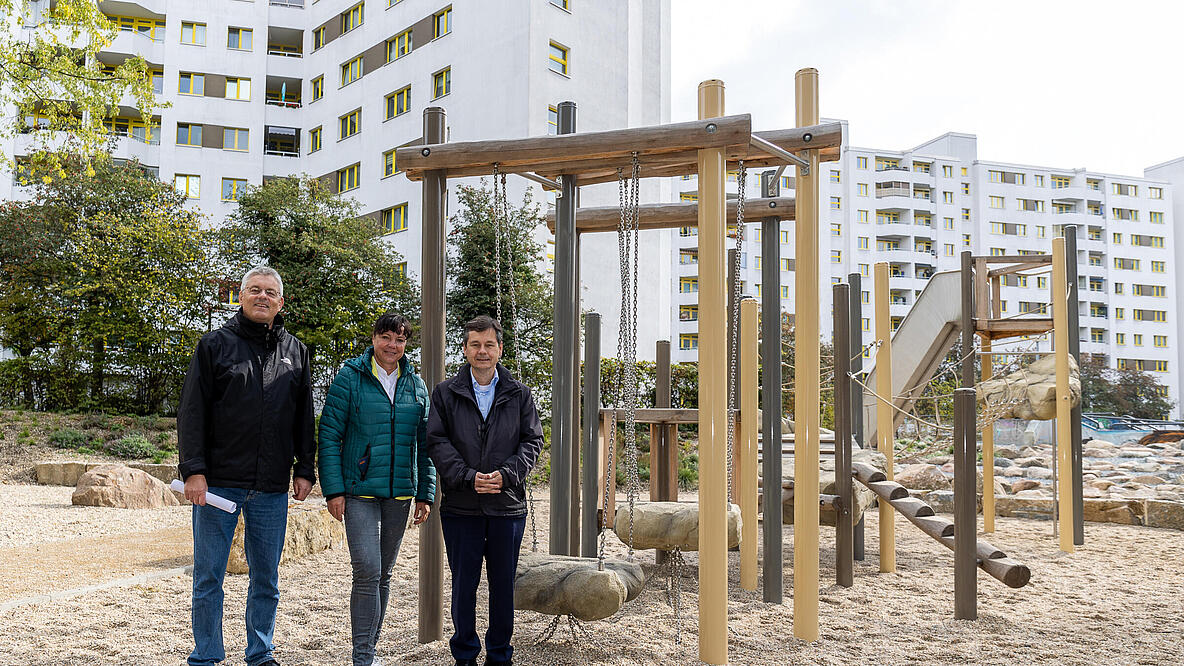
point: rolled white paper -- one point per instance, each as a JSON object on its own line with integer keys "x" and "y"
{"x": 213, "y": 500}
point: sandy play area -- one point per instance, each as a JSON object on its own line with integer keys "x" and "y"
{"x": 1117, "y": 600}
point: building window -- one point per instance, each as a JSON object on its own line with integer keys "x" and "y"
{"x": 836, "y": 203}
{"x": 442, "y": 83}
{"x": 239, "y": 38}
{"x": 836, "y": 256}
{"x": 191, "y": 84}
{"x": 398, "y": 102}
{"x": 562, "y": 4}
{"x": 1157, "y": 267}
{"x": 996, "y": 202}
{"x": 237, "y": 88}
{"x": 784, "y": 291}
{"x": 688, "y": 313}
{"x": 1160, "y": 340}
{"x": 966, "y": 240}
{"x": 187, "y": 184}
{"x": 836, "y": 176}
{"x": 559, "y": 59}
{"x": 947, "y": 171}
{"x": 860, "y": 162}
{"x": 1155, "y": 192}
{"x": 688, "y": 341}
{"x": 863, "y": 217}
{"x": 947, "y": 197}
{"x": 688, "y": 285}
{"x": 965, "y": 214}
{"x": 687, "y": 232}
{"x": 1126, "y": 190}
{"x": 965, "y": 188}
{"x": 949, "y": 249}
{"x": 349, "y": 177}
{"x": 234, "y": 138}
{"x": 442, "y": 23}
{"x": 836, "y": 229}
{"x": 1116, "y": 238}
{"x": 388, "y": 163}
{"x": 318, "y": 88}
{"x": 193, "y": 33}
{"x": 552, "y": 120}
{"x": 785, "y": 265}
{"x": 349, "y": 124}
{"x": 947, "y": 223}
{"x": 398, "y": 46}
{"x": 318, "y": 38}
{"x": 394, "y": 219}
{"x": 353, "y": 17}
{"x": 863, "y": 242}
{"x": 351, "y": 71}
{"x": 232, "y": 188}
{"x": 314, "y": 139}
{"x": 862, "y": 189}
{"x": 188, "y": 134}
{"x": 688, "y": 256}
{"x": 1155, "y": 217}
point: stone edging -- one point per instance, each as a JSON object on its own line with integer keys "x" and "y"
{"x": 67, "y": 472}
{"x": 122, "y": 582}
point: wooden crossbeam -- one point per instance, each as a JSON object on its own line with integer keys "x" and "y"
{"x": 674, "y": 215}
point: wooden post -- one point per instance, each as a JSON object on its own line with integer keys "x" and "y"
{"x": 884, "y": 429}
{"x": 806, "y": 393}
{"x": 434, "y": 202}
{"x": 965, "y": 525}
{"x": 663, "y": 442}
{"x": 1060, "y": 337}
{"x": 713, "y": 386}
{"x": 589, "y": 528}
{"x": 988, "y": 449}
{"x": 844, "y": 545}
{"x": 772, "y": 582}
{"x": 747, "y": 476}
{"x": 855, "y": 326}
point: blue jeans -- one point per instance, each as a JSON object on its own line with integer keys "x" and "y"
{"x": 265, "y": 517}
{"x": 374, "y": 530}
{"x": 468, "y": 540}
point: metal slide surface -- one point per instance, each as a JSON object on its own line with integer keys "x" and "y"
{"x": 926, "y": 335}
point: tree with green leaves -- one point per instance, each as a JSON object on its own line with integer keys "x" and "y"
{"x": 62, "y": 92}
{"x": 339, "y": 274}
{"x": 472, "y": 267}
{"x": 104, "y": 277}
{"x": 1125, "y": 392}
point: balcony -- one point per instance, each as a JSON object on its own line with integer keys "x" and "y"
{"x": 281, "y": 98}
{"x": 281, "y": 142}
{"x": 895, "y": 230}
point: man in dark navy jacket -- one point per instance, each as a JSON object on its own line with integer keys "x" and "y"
{"x": 246, "y": 414}
{"x": 484, "y": 437}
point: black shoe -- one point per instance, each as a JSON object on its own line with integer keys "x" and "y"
{"x": 490, "y": 662}
{"x": 270, "y": 662}
{"x": 466, "y": 662}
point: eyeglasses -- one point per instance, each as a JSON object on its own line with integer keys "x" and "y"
{"x": 255, "y": 291}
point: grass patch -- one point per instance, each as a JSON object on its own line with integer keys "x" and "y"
{"x": 68, "y": 438}
{"x": 132, "y": 446}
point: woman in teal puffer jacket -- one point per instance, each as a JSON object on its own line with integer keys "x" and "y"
{"x": 373, "y": 462}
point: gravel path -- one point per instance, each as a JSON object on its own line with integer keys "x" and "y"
{"x": 1114, "y": 601}
{"x": 43, "y": 514}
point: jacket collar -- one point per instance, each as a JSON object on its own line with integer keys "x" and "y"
{"x": 254, "y": 331}
{"x": 462, "y": 383}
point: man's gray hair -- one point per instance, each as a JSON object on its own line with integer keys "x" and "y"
{"x": 265, "y": 270}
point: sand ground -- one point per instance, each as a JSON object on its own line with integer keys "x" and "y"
{"x": 1117, "y": 600}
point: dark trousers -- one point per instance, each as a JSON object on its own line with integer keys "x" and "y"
{"x": 468, "y": 540}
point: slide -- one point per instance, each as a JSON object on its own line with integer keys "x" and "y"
{"x": 926, "y": 335}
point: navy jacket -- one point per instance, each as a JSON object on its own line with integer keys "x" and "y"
{"x": 461, "y": 443}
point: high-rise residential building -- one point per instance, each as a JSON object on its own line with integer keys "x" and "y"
{"x": 918, "y": 209}
{"x": 330, "y": 88}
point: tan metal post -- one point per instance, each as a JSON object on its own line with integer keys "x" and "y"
{"x": 884, "y": 428}
{"x": 748, "y": 427}
{"x": 988, "y": 449}
{"x": 806, "y": 398}
{"x": 713, "y": 386}
{"x": 1060, "y": 341}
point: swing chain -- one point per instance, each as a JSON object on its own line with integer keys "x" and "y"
{"x": 734, "y": 319}
{"x": 497, "y": 241}
{"x": 633, "y": 480}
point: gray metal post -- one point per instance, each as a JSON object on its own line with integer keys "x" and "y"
{"x": 968, "y": 374}
{"x": 563, "y": 350}
{"x": 844, "y": 546}
{"x": 664, "y": 447}
{"x": 431, "y": 548}
{"x": 965, "y": 495}
{"x": 576, "y": 391}
{"x": 588, "y": 526}
{"x": 855, "y": 330}
{"x": 1074, "y": 415}
{"x": 772, "y": 577}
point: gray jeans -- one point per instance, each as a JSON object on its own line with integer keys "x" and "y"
{"x": 374, "y": 530}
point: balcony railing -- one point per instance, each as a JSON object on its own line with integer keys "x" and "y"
{"x": 280, "y": 152}
{"x": 282, "y": 52}
{"x": 286, "y": 104}
{"x": 297, "y": 4}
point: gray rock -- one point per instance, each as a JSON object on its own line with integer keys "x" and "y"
{"x": 1101, "y": 484}
{"x": 1160, "y": 513}
{"x": 1147, "y": 467}
{"x": 1006, "y": 452}
{"x": 311, "y": 529}
{"x": 923, "y": 477}
{"x": 669, "y": 525}
{"x": 1148, "y": 480}
{"x": 1038, "y": 473}
{"x": 1033, "y": 493}
{"x": 561, "y": 585}
{"x": 1024, "y": 484}
{"x": 942, "y": 501}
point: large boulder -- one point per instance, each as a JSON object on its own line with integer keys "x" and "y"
{"x": 562, "y": 585}
{"x": 669, "y": 525}
{"x": 826, "y": 486}
{"x": 1029, "y": 393}
{"x": 923, "y": 476}
{"x": 122, "y": 487}
{"x": 311, "y": 529}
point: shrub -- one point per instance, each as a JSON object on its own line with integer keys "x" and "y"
{"x": 68, "y": 438}
{"x": 131, "y": 446}
{"x": 95, "y": 420}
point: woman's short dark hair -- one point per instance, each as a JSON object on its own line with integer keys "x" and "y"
{"x": 392, "y": 322}
{"x": 483, "y": 323}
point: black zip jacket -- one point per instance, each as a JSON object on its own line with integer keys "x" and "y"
{"x": 461, "y": 443}
{"x": 246, "y": 408}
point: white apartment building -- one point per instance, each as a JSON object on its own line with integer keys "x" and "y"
{"x": 919, "y": 209}
{"x": 272, "y": 88}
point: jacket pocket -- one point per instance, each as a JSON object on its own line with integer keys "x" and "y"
{"x": 364, "y": 464}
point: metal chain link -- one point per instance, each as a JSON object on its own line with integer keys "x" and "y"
{"x": 497, "y": 241}
{"x": 734, "y": 320}
{"x": 633, "y": 480}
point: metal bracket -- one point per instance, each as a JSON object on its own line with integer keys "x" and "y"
{"x": 547, "y": 183}
{"x": 776, "y": 151}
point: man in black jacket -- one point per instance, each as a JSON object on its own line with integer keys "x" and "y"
{"x": 246, "y": 413}
{"x": 484, "y": 437}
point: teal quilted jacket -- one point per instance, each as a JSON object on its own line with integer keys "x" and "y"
{"x": 369, "y": 446}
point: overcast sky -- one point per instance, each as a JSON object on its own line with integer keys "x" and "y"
{"x": 1060, "y": 84}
